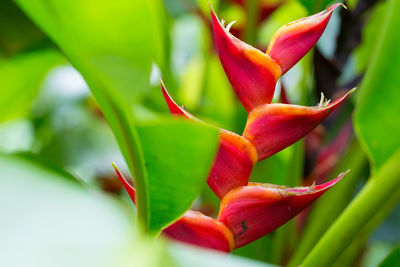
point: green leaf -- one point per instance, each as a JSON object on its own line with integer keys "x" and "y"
{"x": 376, "y": 117}
{"x": 113, "y": 44}
{"x": 52, "y": 220}
{"x": 393, "y": 259}
{"x": 105, "y": 37}
{"x": 21, "y": 77}
{"x": 177, "y": 169}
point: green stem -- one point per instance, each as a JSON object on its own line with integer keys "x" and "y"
{"x": 341, "y": 194}
{"x": 349, "y": 256}
{"x": 375, "y": 193}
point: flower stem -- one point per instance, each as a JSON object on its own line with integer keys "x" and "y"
{"x": 378, "y": 189}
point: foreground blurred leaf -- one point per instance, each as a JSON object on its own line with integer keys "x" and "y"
{"x": 20, "y": 78}
{"x": 108, "y": 43}
{"x": 376, "y": 117}
{"x": 177, "y": 170}
{"x": 53, "y": 221}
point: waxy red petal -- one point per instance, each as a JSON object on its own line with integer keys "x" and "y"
{"x": 235, "y": 157}
{"x": 291, "y": 42}
{"x": 252, "y": 73}
{"x": 128, "y": 187}
{"x": 200, "y": 230}
{"x": 273, "y": 127}
{"x": 253, "y": 211}
{"x": 232, "y": 167}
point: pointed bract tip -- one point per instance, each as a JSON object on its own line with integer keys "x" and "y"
{"x": 333, "y": 7}
{"x": 172, "y": 106}
{"x": 292, "y": 41}
{"x": 255, "y": 210}
{"x": 327, "y": 185}
{"x": 128, "y": 187}
{"x": 341, "y": 99}
{"x": 209, "y": 4}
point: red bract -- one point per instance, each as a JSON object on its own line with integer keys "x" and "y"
{"x": 257, "y": 209}
{"x": 273, "y": 127}
{"x": 200, "y": 230}
{"x": 252, "y": 73}
{"x": 291, "y": 42}
{"x": 235, "y": 157}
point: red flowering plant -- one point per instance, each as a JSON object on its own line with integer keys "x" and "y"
{"x": 255, "y": 173}
{"x": 248, "y": 210}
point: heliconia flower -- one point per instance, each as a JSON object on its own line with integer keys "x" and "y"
{"x": 252, "y": 73}
{"x": 193, "y": 227}
{"x": 273, "y": 127}
{"x": 253, "y": 211}
{"x": 235, "y": 157}
{"x": 200, "y": 230}
{"x": 291, "y": 42}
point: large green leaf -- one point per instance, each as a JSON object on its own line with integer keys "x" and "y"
{"x": 107, "y": 37}
{"x": 49, "y": 219}
{"x": 112, "y": 44}
{"x": 21, "y": 77}
{"x": 177, "y": 169}
{"x": 376, "y": 118}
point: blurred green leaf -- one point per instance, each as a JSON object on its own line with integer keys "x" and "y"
{"x": 106, "y": 37}
{"x": 393, "y": 259}
{"x": 218, "y": 98}
{"x": 53, "y": 221}
{"x": 376, "y": 117}
{"x": 21, "y": 77}
{"x": 112, "y": 44}
{"x": 177, "y": 170}
{"x": 314, "y": 6}
{"x": 371, "y": 30}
